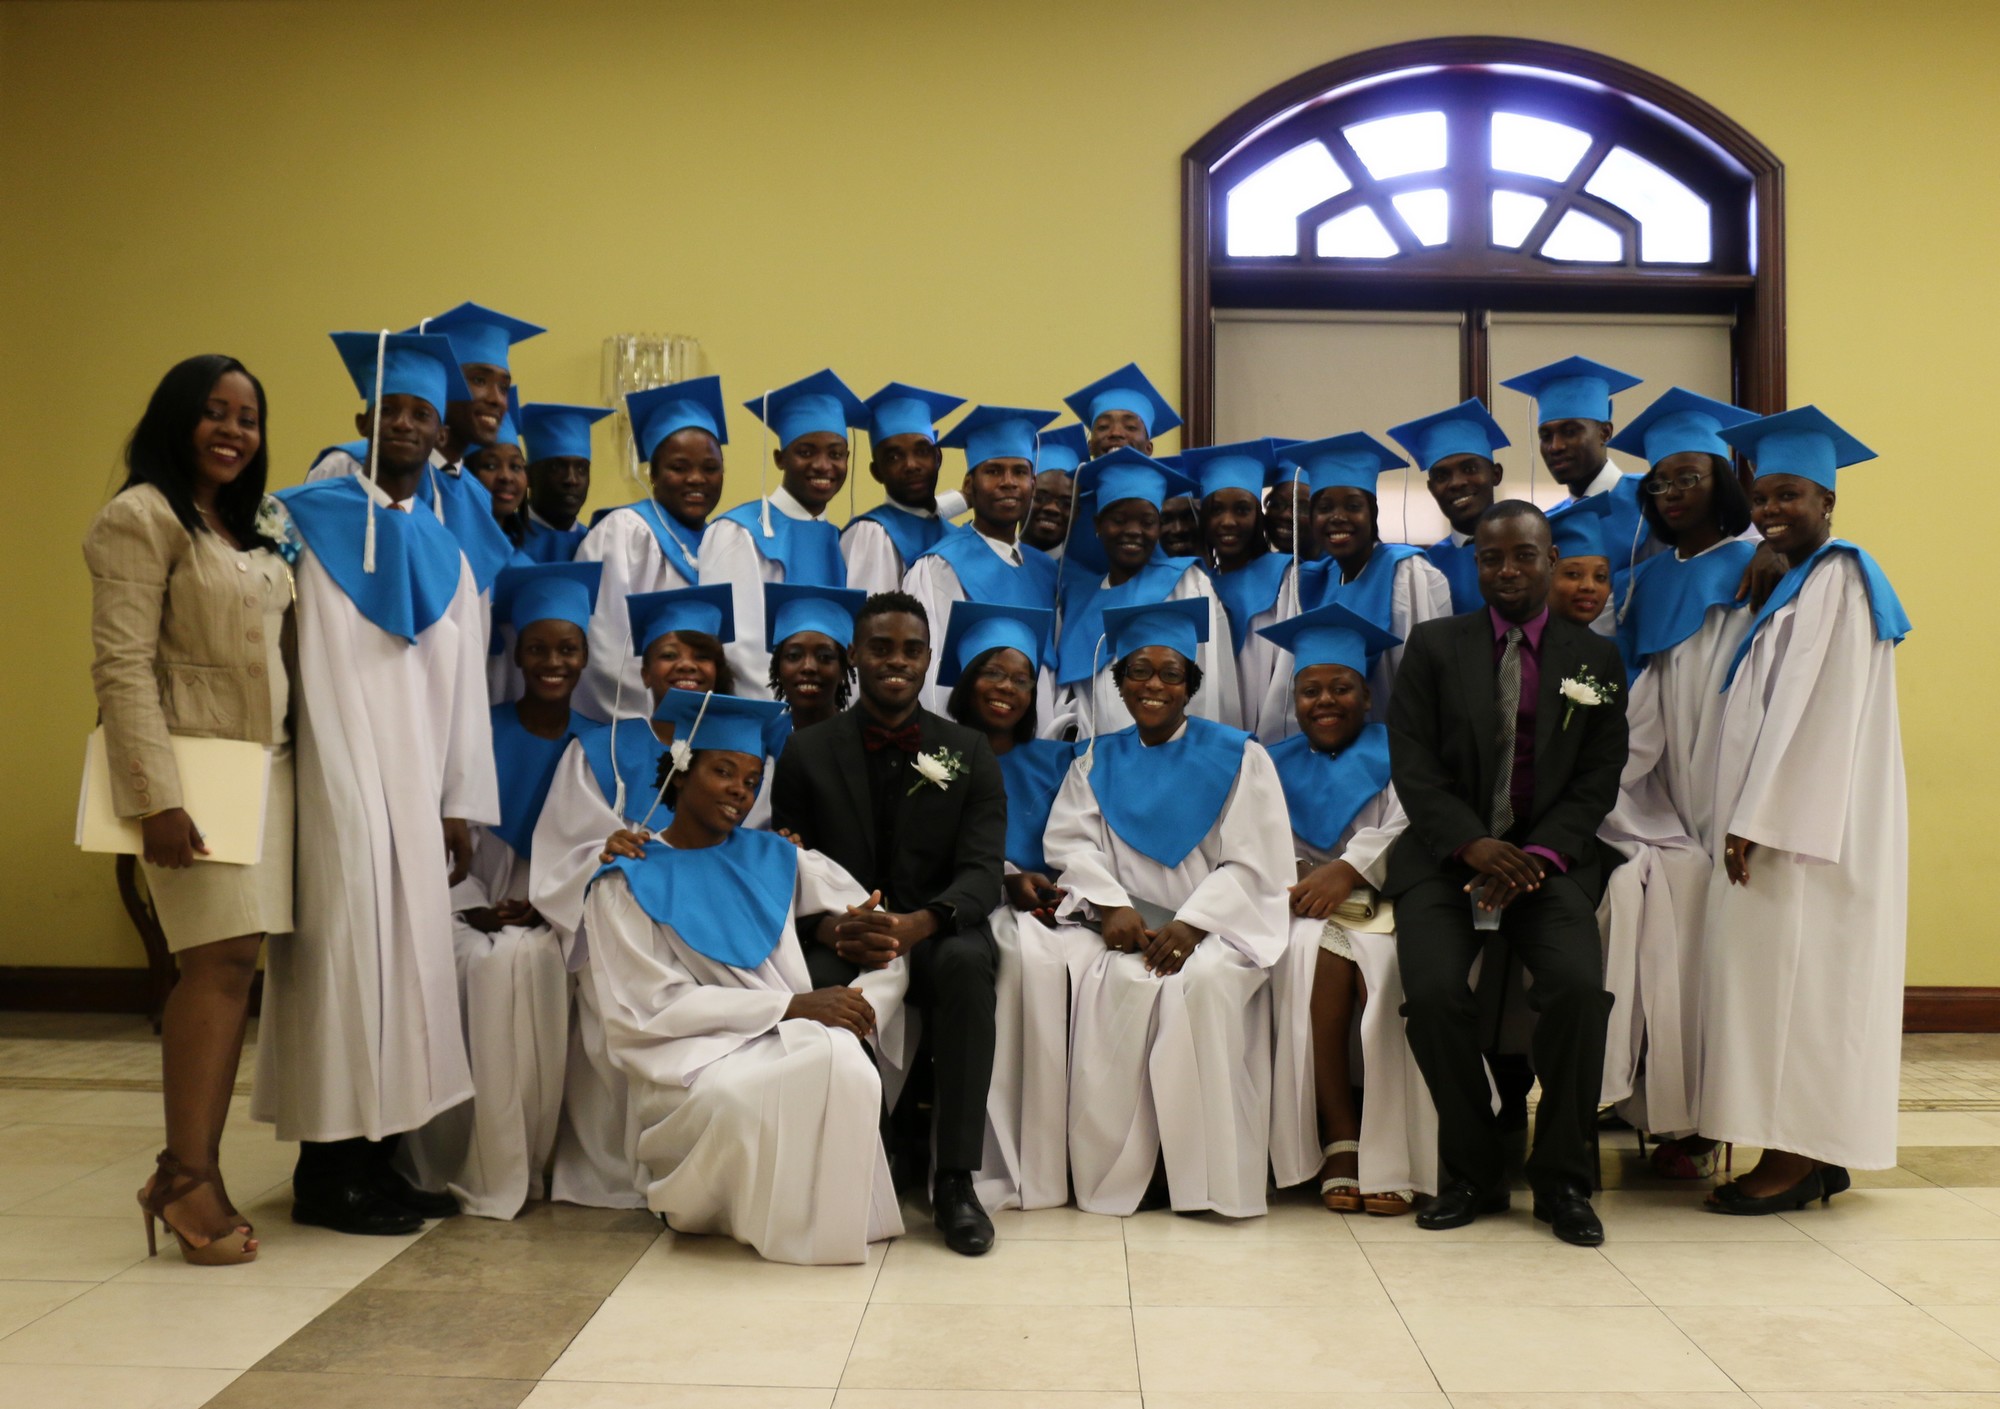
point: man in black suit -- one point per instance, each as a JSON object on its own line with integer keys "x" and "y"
{"x": 1506, "y": 771}
{"x": 869, "y": 788}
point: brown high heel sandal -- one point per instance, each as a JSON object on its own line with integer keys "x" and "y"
{"x": 1340, "y": 1194}
{"x": 173, "y": 1181}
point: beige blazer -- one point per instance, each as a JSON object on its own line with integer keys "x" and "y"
{"x": 191, "y": 637}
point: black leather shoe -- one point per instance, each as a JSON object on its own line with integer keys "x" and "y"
{"x": 353, "y": 1208}
{"x": 1731, "y": 1199}
{"x": 1569, "y": 1213}
{"x": 1459, "y": 1203}
{"x": 956, "y": 1211}
{"x": 393, "y": 1187}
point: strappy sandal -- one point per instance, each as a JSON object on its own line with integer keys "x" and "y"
{"x": 1341, "y": 1194}
{"x": 173, "y": 1181}
{"x": 1671, "y": 1159}
{"x": 1390, "y": 1205}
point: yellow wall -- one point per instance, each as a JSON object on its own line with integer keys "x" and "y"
{"x": 982, "y": 198}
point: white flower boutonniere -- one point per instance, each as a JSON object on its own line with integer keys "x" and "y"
{"x": 275, "y": 524}
{"x": 1583, "y": 691}
{"x": 940, "y": 769}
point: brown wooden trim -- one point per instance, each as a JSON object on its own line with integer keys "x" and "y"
{"x": 51, "y": 989}
{"x": 1758, "y": 301}
{"x": 1951, "y": 1010}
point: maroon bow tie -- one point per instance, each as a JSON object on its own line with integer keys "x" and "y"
{"x": 875, "y": 738}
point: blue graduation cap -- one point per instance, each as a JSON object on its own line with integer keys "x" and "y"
{"x": 821, "y": 402}
{"x": 1247, "y": 465}
{"x": 978, "y": 627}
{"x": 1805, "y": 442}
{"x": 1466, "y": 429}
{"x": 791, "y": 607}
{"x": 712, "y": 721}
{"x": 658, "y": 412}
{"x": 1124, "y": 473}
{"x": 1063, "y": 448}
{"x": 1578, "y": 528}
{"x": 709, "y": 610}
{"x": 1124, "y": 390}
{"x": 998, "y": 432}
{"x": 479, "y": 334}
{"x": 1330, "y": 635}
{"x": 1574, "y": 389}
{"x": 555, "y": 431}
{"x": 899, "y": 409}
{"x": 413, "y": 364}
{"x": 546, "y": 592}
{"x": 1680, "y": 421}
{"x": 1351, "y": 461}
{"x": 1179, "y": 625}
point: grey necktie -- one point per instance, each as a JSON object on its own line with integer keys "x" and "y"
{"x": 1507, "y": 699}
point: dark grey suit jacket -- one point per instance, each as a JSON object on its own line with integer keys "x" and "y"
{"x": 1444, "y": 750}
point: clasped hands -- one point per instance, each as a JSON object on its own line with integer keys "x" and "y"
{"x": 872, "y": 937}
{"x": 1506, "y": 873}
{"x": 1165, "y": 949}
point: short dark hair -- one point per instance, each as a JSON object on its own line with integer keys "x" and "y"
{"x": 1500, "y": 510}
{"x": 1725, "y": 497}
{"x": 960, "y": 706}
{"x": 891, "y": 603}
{"x": 1193, "y": 674}
{"x": 160, "y": 451}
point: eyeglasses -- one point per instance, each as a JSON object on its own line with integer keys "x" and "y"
{"x": 998, "y": 675}
{"x": 1690, "y": 479}
{"x": 1139, "y": 672}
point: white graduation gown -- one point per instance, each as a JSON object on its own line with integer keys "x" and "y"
{"x": 491, "y": 1151}
{"x": 1655, "y": 903}
{"x": 755, "y": 1127}
{"x": 1802, "y": 969}
{"x": 1180, "y": 1066}
{"x": 729, "y": 555}
{"x": 633, "y": 564}
{"x": 1398, "y": 1119}
{"x": 597, "y": 1142}
{"x": 934, "y": 582}
{"x": 1258, "y": 663}
{"x": 361, "y": 1030}
{"x": 1419, "y": 593}
{"x": 1096, "y": 707}
{"x": 873, "y": 564}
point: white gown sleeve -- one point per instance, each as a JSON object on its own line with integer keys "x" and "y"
{"x": 470, "y": 789}
{"x": 616, "y": 543}
{"x": 933, "y": 582}
{"x": 1375, "y": 829}
{"x": 1243, "y": 901}
{"x": 728, "y": 556}
{"x": 873, "y": 564}
{"x": 1276, "y": 719}
{"x": 1218, "y": 699}
{"x": 568, "y": 847}
{"x": 1075, "y": 847}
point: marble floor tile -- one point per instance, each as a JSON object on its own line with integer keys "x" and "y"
{"x": 1024, "y": 1272}
{"x": 24, "y": 1302}
{"x": 1572, "y": 1349}
{"x": 210, "y": 1327}
{"x": 1839, "y": 1348}
{"x": 1277, "y": 1273}
{"x": 1517, "y": 1225}
{"x": 1289, "y": 1219}
{"x": 94, "y": 1145}
{"x": 21, "y": 1182}
{"x": 1876, "y": 1399}
{"x": 288, "y": 1255}
{"x": 1607, "y": 1399}
{"x": 476, "y": 1335}
{"x": 109, "y": 1387}
{"x": 280, "y": 1389}
{"x": 1944, "y": 1128}
{"x": 726, "y": 1341}
{"x": 69, "y": 1249}
{"x": 1035, "y": 1348}
{"x": 689, "y": 1267}
{"x": 1331, "y": 1399}
{"x": 985, "y": 1399}
{"x": 1748, "y": 1274}
{"x": 468, "y": 1254}
{"x": 1275, "y": 1350}
{"x": 1930, "y": 1273}
{"x": 1978, "y": 1324}
{"x": 1068, "y": 1223}
{"x": 1953, "y": 1166}
{"x": 1676, "y": 1216}
{"x": 1876, "y": 1215}
{"x": 1547, "y": 1273}
{"x": 572, "y": 1394}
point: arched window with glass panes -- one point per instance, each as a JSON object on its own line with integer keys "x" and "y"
{"x": 1484, "y": 174}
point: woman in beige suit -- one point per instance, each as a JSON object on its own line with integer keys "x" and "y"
{"x": 190, "y": 617}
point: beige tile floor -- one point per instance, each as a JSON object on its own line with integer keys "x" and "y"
{"x": 1887, "y": 1299}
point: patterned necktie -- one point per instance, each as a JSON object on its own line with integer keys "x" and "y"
{"x": 1507, "y": 699}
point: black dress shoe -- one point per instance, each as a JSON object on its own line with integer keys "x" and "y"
{"x": 1459, "y": 1203}
{"x": 1569, "y": 1214}
{"x": 352, "y": 1208}
{"x": 1731, "y": 1199}
{"x": 393, "y": 1187}
{"x": 956, "y": 1211}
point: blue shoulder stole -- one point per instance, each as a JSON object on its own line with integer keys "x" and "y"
{"x": 987, "y": 577}
{"x": 543, "y": 544}
{"x": 1324, "y": 790}
{"x": 728, "y": 902}
{"x": 1460, "y": 566}
{"x": 911, "y": 533}
{"x": 808, "y": 549}
{"x": 679, "y": 543}
{"x": 468, "y": 517}
{"x": 639, "y": 754}
{"x": 1250, "y": 590}
{"x": 1372, "y": 593}
{"x": 1163, "y": 800}
{"x": 416, "y": 561}
{"x": 1084, "y": 605}
{"x": 525, "y": 765}
{"x": 1892, "y": 623}
{"x": 1670, "y": 598}
{"x": 1033, "y": 772}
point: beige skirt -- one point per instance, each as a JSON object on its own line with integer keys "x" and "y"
{"x": 211, "y": 900}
